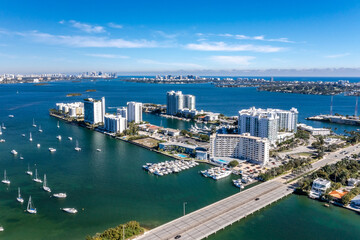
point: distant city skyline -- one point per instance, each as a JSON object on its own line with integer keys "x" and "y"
{"x": 208, "y": 38}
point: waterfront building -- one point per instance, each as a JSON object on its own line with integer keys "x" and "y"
{"x": 115, "y": 123}
{"x": 314, "y": 131}
{"x": 94, "y": 110}
{"x": 352, "y": 182}
{"x": 134, "y": 111}
{"x": 122, "y": 112}
{"x": 74, "y": 110}
{"x": 319, "y": 187}
{"x": 176, "y": 101}
{"x": 355, "y": 202}
{"x": 242, "y": 146}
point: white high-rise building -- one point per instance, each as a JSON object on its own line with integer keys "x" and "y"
{"x": 94, "y": 110}
{"x": 176, "y": 101}
{"x": 122, "y": 112}
{"x": 134, "y": 111}
{"x": 115, "y": 123}
{"x": 242, "y": 146}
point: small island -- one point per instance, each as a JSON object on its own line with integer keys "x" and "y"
{"x": 41, "y": 84}
{"x": 91, "y": 90}
{"x": 73, "y": 94}
{"x": 131, "y": 229}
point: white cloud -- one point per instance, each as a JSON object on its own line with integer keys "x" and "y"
{"x": 114, "y": 25}
{"x": 85, "y": 26}
{"x": 338, "y": 55}
{"x": 166, "y": 35}
{"x": 221, "y": 46}
{"x": 259, "y": 38}
{"x": 173, "y": 64}
{"x": 238, "y": 60}
{"x": 88, "y": 41}
{"x": 112, "y": 56}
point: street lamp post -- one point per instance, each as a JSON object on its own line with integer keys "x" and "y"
{"x": 184, "y": 204}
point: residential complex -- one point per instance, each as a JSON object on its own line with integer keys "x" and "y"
{"x": 94, "y": 110}
{"x": 266, "y": 123}
{"x": 314, "y": 131}
{"x": 122, "y": 112}
{"x": 242, "y": 146}
{"x": 319, "y": 187}
{"x": 115, "y": 123}
{"x": 177, "y": 101}
{"x": 134, "y": 112}
{"x": 75, "y": 109}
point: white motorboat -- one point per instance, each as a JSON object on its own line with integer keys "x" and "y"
{"x": 3, "y": 126}
{"x": 28, "y": 172}
{"x": 60, "y": 195}
{"x": 99, "y": 150}
{"x": 2, "y": 140}
{"x": 23, "y": 134}
{"x": 38, "y": 145}
{"x": 58, "y": 137}
{"x": 77, "y": 148}
{"x": 52, "y": 150}
{"x": 40, "y": 130}
{"x": 5, "y": 180}
{"x": 69, "y": 210}
{"x": 36, "y": 179}
{"x": 14, "y": 152}
{"x": 30, "y": 207}
{"x": 70, "y": 138}
{"x": 19, "y": 198}
{"x": 45, "y": 187}
{"x": 11, "y": 116}
{"x": 1, "y": 229}
{"x": 30, "y": 138}
{"x": 34, "y": 125}
{"x": 21, "y": 157}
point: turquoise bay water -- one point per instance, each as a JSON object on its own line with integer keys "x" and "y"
{"x": 109, "y": 187}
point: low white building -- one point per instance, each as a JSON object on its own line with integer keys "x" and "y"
{"x": 314, "y": 131}
{"x": 75, "y": 109}
{"x": 115, "y": 123}
{"x": 319, "y": 187}
{"x": 211, "y": 117}
{"x": 242, "y": 146}
{"x": 352, "y": 182}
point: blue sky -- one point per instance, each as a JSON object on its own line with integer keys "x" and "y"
{"x": 180, "y": 36}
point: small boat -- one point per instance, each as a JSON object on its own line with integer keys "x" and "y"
{"x": 0, "y": 132}
{"x": 326, "y": 205}
{"x": 34, "y": 125}
{"x": 58, "y": 137}
{"x": 23, "y": 134}
{"x": 45, "y": 187}
{"x": 5, "y": 180}
{"x": 28, "y": 172}
{"x": 30, "y": 138}
{"x": 69, "y": 210}
{"x": 30, "y": 208}
{"x": 77, "y": 148}
{"x": 99, "y": 150}
{"x": 36, "y": 179}
{"x": 40, "y": 130}
{"x": 52, "y": 150}
{"x": 21, "y": 157}
{"x": 58, "y": 125}
{"x": 19, "y": 198}
{"x": 60, "y": 195}
{"x": 3, "y": 126}
{"x": 2, "y": 140}
{"x": 70, "y": 138}
{"x": 14, "y": 152}
{"x": 1, "y": 229}
{"x": 11, "y": 116}
{"x": 38, "y": 145}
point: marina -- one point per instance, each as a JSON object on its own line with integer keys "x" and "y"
{"x": 168, "y": 167}
{"x": 216, "y": 173}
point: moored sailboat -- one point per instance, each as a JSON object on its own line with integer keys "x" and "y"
{"x": 19, "y": 198}
{"x": 77, "y": 148}
{"x": 45, "y": 187}
{"x": 5, "y": 180}
{"x": 30, "y": 207}
{"x": 36, "y": 179}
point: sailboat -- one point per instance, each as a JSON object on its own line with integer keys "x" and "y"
{"x": 45, "y": 187}
{"x": 5, "y": 180}
{"x": 0, "y": 132}
{"x": 28, "y": 172}
{"x": 77, "y": 148}
{"x": 58, "y": 125}
{"x": 40, "y": 130}
{"x": 30, "y": 138}
{"x": 34, "y": 125}
{"x": 36, "y": 179}
{"x": 19, "y": 198}
{"x": 3, "y": 126}
{"x": 30, "y": 208}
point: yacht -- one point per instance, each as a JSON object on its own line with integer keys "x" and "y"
{"x": 28, "y": 172}
{"x": 52, "y": 149}
{"x": 19, "y": 198}
{"x": 45, "y": 187}
{"x": 70, "y": 138}
{"x": 3, "y": 126}
{"x": 14, "y": 152}
{"x": 2, "y": 140}
{"x": 60, "y": 195}
{"x": 23, "y": 134}
{"x": 21, "y": 157}
{"x": 34, "y": 125}
{"x": 30, "y": 138}
{"x": 99, "y": 150}
{"x": 58, "y": 137}
{"x": 69, "y": 210}
{"x": 5, "y": 180}
{"x": 40, "y": 130}
{"x": 11, "y": 116}
{"x": 36, "y": 179}
{"x": 38, "y": 145}
{"x": 30, "y": 208}
{"x": 77, "y": 148}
